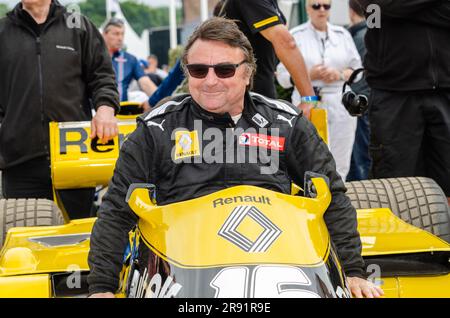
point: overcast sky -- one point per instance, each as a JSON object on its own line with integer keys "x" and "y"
{"x": 153, "y": 3}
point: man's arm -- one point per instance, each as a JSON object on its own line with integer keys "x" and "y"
{"x": 97, "y": 69}
{"x": 99, "y": 76}
{"x": 115, "y": 219}
{"x": 146, "y": 85}
{"x": 291, "y": 57}
{"x": 168, "y": 85}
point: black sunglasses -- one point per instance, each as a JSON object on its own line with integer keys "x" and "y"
{"x": 317, "y": 6}
{"x": 222, "y": 70}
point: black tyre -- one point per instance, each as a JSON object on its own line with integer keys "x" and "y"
{"x": 27, "y": 212}
{"x": 417, "y": 200}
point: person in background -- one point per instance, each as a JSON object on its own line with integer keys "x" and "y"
{"x": 408, "y": 70}
{"x": 263, "y": 24}
{"x": 153, "y": 68}
{"x": 50, "y": 70}
{"x": 155, "y": 78}
{"x": 168, "y": 85}
{"x": 360, "y": 162}
{"x": 331, "y": 57}
{"x": 126, "y": 65}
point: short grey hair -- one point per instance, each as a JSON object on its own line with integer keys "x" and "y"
{"x": 113, "y": 22}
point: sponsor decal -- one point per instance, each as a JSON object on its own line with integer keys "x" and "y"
{"x": 231, "y": 232}
{"x": 186, "y": 144}
{"x": 120, "y": 59}
{"x": 260, "y": 120}
{"x": 62, "y": 47}
{"x": 152, "y": 123}
{"x": 289, "y": 121}
{"x": 153, "y": 287}
{"x": 264, "y": 141}
{"x": 241, "y": 199}
{"x": 77, "y": 140}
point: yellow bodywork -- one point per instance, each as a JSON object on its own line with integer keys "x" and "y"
{"x": 300, "y": 215}
{"x": 382, "y": 233}
{"x": 26, "y": 264}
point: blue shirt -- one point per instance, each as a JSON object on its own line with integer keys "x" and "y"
{"x": 168, "y": 85}
{"x": 127, "y": 68}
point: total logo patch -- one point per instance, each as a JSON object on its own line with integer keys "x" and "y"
{"x": 259, "y": 140}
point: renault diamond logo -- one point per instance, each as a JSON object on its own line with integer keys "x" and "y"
{"x": 268, "y": 233}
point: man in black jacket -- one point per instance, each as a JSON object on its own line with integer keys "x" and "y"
{"x": 361, "y": 162}
{"x": 408, "y": 69}
{"x": 53, "y": 67}
{"x": 219, "y": 64}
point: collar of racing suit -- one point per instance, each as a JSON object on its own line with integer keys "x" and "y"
{"x": 250, "y": 110}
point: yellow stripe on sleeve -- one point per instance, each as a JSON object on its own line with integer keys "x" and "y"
{"x": 266, "y": 21}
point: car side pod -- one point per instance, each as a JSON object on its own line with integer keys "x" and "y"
{"x": 19, "y": 259}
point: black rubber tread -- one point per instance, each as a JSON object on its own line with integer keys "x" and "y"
{"x": 417, "y": 200}
{"x": 27, "y": 212}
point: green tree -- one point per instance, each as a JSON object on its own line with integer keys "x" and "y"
{"x": 95, "y": 10}
{"x": 140, "y": 16}
{"x": 3, "y": 9}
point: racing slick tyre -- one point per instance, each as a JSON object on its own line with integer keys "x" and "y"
{"x": 417, "y": 200}
{"x": 27, "y": 212}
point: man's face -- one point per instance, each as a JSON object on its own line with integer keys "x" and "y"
{"x": 214, "y": 94}
{"x": 152, "y": 63}
{"x": 114, "y": 37}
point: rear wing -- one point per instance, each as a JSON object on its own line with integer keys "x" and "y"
{"x": 77, "y": 161}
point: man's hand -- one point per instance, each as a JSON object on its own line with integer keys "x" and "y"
{"x": 104, "y": 124}
{"x": 145, "y": 106}
{"x": 102, "y": 295}
{"x": 363, "y": 288}
{"x": 306, "y": 108}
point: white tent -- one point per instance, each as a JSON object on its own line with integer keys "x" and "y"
{"x": 138, "y": 46}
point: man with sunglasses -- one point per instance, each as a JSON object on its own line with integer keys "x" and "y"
{"x": 263, "y": 24}
{"x": 171, "y": 149}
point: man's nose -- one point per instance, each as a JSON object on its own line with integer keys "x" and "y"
{"x": 211, "y": 77}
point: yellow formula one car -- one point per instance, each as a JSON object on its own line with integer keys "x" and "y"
{"x": 232, "y": 243}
